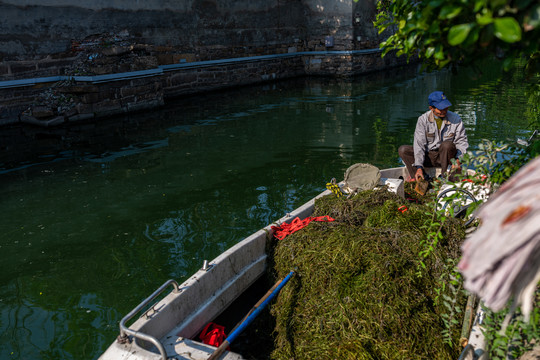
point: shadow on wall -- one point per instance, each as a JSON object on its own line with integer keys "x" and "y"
{"x": 204, "y": 28}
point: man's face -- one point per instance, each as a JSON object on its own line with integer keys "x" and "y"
{"x": 439, "y": 113}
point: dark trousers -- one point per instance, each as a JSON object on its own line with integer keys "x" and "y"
{"x": 441, "y": 157}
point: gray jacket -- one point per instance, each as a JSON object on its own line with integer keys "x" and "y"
{"x": 427, "y": 136}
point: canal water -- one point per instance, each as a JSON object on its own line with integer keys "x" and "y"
{"x": 96, "y": 217}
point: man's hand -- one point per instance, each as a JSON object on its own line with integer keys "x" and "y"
{"x": 419, "y": 174}
{"x": 456, "y": 165}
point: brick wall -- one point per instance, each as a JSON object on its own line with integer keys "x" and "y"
{"x": 96, "y": 38}
{"x": 72, "y": 99}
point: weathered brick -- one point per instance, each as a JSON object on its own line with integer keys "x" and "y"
{"x": 139, "y": 82}
{"x": 79, "y": 89}
{"x": 142, "y": 47}
{"x": 149, "y": 96}
{"x": 164, "y": 59}
{"x": 108, "y": 103}
{"x": 90, "y": 98}
{"x": 103, "y": 69}
{"x": 20, "y": 68}
{"x": 109, "y": 93}
{"x": 85, "y": 108}
{"x": 179, "y": 58}
{"x": 54, "y": 64}
{"x": 81, "y": 117}
{"x": 108, "y": 108}
{"x": 143, "y": 105}
{"x": 145, "y": 62}
{"x": 127, "y": 100}
{"x": 182, "y": 78}
{"x": 163, "y": 48}
{"x": 135, "y": 90}
{"x": 116, "y": 50}
{"x": 41, "y": 112}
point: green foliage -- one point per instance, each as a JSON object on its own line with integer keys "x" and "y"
{"x": 519, "y": 336}
{"x": 449, "y": 287}
{"x": 515, "y": 339}
{"x": 453, "y": 32}
{"x": 533, "y": 103}
{"x": 432, "y": 227}
{"x": 488, "y": 159}
{"x": 449, "y": 293}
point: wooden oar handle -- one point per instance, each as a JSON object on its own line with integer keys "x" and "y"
{"x": 219, "y": 351}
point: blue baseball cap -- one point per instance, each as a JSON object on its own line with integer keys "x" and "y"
{"x": 439, "y": 100}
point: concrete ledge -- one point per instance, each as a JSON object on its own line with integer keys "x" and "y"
{"x": 45, "y": 123}
{"x": 96, "y": 79}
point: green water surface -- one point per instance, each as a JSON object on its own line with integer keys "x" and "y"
{"x": 96, "y": 217}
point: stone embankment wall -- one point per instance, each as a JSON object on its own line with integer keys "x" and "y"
{"x": 72, "y": 60}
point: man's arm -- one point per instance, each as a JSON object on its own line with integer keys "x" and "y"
{"x": 460, "y": 140}
{"x": 420, "y": 141}
{"x": 419, "y": 146}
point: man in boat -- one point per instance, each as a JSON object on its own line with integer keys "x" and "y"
{"x": 439, "y": 137}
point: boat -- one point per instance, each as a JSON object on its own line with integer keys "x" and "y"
{"x": 169, "y": 326}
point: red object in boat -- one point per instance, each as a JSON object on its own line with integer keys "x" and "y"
{"x": 286, "y": 229}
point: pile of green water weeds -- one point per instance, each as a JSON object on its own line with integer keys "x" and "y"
{"x": 359, "y": 292}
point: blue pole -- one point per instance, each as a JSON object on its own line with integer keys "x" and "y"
{"x": 256, "y": 312}
{"x": 221, "y": 348}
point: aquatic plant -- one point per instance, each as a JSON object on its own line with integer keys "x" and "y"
{"x": 358, "y": 294}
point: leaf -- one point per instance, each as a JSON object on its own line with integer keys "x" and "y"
{"x": 484, "y": 18}
{"x": 442, "y": 64}
{"x": 473, "y": 37}
{"x": 449, "y": 12}
{"x": 478, "y": 4}
{"x": 434, "y": 28}
{"x": 496, "y": 4}
{"x": 508, "y": 63}
{"x": 439, "y": 54}
{"x": 429, "y": 51}
{"x": 458, "y": 33}
{"x": 409, "y": 43}
{"x": 507, "y": 29}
